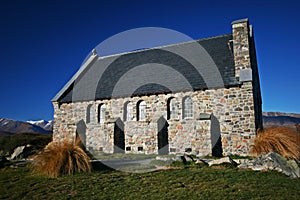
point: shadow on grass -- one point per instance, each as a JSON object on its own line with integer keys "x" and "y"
{"x": 99, "y": 166}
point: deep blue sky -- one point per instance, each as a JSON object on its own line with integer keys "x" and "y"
{"x": 43, "y": 43}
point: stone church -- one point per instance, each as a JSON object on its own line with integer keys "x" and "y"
{"x": 201, "y": 96}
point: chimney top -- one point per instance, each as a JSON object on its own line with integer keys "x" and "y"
{"x": 239, "y": 21}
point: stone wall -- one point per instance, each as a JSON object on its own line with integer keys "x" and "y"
{"x": 233, "y": 125}
{"x": 245, "y": 59}
{"x": 241, "y": 48}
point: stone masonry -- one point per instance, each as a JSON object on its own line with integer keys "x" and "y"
{"x": 233, "y": 107}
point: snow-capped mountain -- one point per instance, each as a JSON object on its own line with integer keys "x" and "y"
{"x": 47, "y": 125}
{"x": 8, "y": 127}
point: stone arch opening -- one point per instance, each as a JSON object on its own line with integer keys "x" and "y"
{"x": 172, "y": 108}
{"x": 187, "y": 108}
{"x": 141, "y": 110}
{"x": 101, "y": 113}
{"x": 128, "y": 111}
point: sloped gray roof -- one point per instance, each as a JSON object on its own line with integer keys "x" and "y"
{"x": 194, "y": 65}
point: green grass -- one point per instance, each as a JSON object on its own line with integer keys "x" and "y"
{"x": 183, "y": 182}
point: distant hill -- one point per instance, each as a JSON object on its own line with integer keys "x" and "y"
{"x": 10, "y": 127}
{"x": 281, "y": 119}
{"x": 14, "y": 133}
{"x": 36, "y": 141}
{"x": 3, "y": 133}
{"x": 277, "y": 114}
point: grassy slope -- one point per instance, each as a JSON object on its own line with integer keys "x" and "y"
{"x": 194, "y": 182}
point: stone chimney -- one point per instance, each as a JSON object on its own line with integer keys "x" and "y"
{"x": 241, "y": 49}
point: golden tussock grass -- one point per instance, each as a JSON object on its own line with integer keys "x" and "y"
{"x": 60, "y": 158}
{"x": 297, "y": 127}
{"x": 281, "y": 140}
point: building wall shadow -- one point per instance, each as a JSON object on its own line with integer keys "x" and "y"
{"x": 162, "y": 136}
{"x": 216, "y": 141}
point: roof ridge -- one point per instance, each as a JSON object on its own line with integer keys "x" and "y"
{"x": 163, "y": 46}
{"x": 214, "y": 37}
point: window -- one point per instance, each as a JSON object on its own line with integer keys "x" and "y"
{"x": 140, "y": 148}
{"x": 90, "y": 114}
{"x": 128, "y": 148}
{"x": 141, "y": 111}
{"x": 101, "y": 113}
{"x": 187, "y": 106}
{"x": 172, "y": 108}
{"x": 128, "y": 111}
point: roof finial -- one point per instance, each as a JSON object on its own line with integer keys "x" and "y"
{"x": 94, "y": 52}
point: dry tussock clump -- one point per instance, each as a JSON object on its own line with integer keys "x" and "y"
{"x": 297, "y": 127}
{"x": 59, "y": 158}
{"x": 281, "y": 140}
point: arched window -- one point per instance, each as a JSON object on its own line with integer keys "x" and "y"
{"x": 90, "y": 114}
{"x": 141, "y": 111}
{"x": 101, "y": 113}
{"x": 187, "y": 108}
{"x": 128, "y": 111}
{"x": 172, "y": 108}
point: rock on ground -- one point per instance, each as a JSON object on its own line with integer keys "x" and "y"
{"x": 273, "y": 161}
{"x": 222, "y": 160}
{"x": 17, "y": 152}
